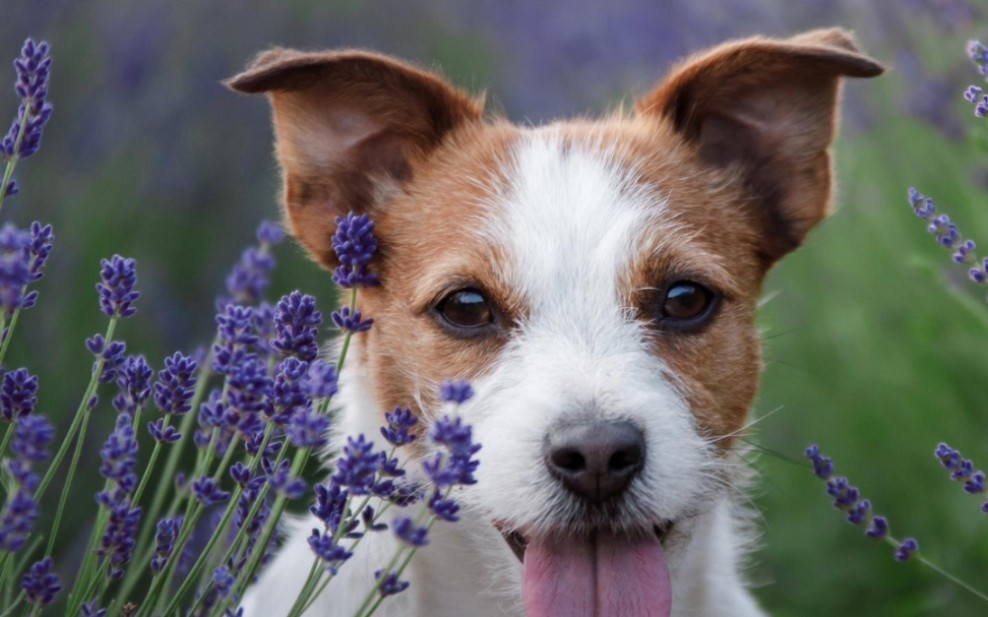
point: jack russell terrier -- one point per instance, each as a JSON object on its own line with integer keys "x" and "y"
{"x": 595, "y": 280}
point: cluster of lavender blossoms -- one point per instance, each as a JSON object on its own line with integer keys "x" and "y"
{"x": 170, "y": 538}
{"x": 846, "y": 497}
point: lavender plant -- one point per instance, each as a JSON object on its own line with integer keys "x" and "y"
{"x": 963, "y": 249}
{"x": 255, "y": 407}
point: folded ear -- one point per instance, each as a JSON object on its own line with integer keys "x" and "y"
{"x": 348, "y": 127}
{"x": 766, "y": 110}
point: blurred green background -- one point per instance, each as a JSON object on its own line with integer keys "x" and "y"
{"x": 874, "y": 344}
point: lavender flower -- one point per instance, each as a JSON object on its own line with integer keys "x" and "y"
{"x": 284, "y": 483}
{"x": 134, "y": 380}
{"x": 297, "y": 325}
{"x": 207, "y": 492}
{"x": 33, "y": 69}
{"x": 17, "y": 519}
{"x": 400, "y": 423}
{"x": 962, "y": 470}
{"x": 112, "y": 356}
{"x": 40, "y": 584}
{"x": 348, "y": 321}
{"x": 119, "y": 539}
{"x": 176, "y": 385}
{"x": 457, "y": 392}
{"x": 906, "y": 550}
{"x": 15, "y": 269}
{"x": 321, "y": 381}
{"x": 332, "y": 554}
{"x": 357, "y": 468}
{"x": 456, "y": 465}
{"x": 390, "y": 585}
{"x": 308, "y": 429}
{"x": 119, "y": 455}
{"x": 91, "y": 609}
{"x": 18, "y": 394}
{"x": 354, "y": 244}
{"x": 163, "y": 434}
{"x": 116, "y": 289}
{"x": 250, "y": 388}
{"x": 270, "y": 233}
{"x": 287, "y": 395}
{"x": 236, "y": 334}
{"x": 32, "y": 434}
{"x": 251, "y": 276}
{"x": 330, "y": 500}
{"x": 42, "y": 240}
{"x": 847, "y": 498}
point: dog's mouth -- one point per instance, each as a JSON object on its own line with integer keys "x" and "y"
{"x": 594, "y": 575}
{"x": 518, "y": 542}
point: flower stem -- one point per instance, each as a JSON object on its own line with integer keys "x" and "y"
{"x": 12, "y": 161}
{"x": 8, "y": 333}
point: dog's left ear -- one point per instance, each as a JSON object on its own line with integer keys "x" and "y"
{"x": 766, "y": 110}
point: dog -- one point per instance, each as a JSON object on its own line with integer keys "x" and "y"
{"x": 595, "y": 280}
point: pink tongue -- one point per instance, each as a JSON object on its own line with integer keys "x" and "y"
{"x": 608, "y": 576}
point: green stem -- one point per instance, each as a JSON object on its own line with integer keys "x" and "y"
{"x": 6, "y": 438}
{"x": 81, "y": 411}
{"x": 174, "y": 457}
{"x": 11, "y": 607}
{"x": 10, "y": 333}
{"x": 8, "y": 173}
{"x": 73, "y": 465}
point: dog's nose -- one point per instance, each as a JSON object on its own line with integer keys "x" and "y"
{"x": 595, "y": 460}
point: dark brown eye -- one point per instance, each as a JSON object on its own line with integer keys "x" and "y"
{"x": 686, "y": 305}
{"x": 466, "y": 310}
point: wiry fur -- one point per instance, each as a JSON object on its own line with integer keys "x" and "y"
{"x": 573, "y": 231}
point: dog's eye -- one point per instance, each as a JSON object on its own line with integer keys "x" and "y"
{"x": 466, "y": 310}
{"x": 686, "y": 305}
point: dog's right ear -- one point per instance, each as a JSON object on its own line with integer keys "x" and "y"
{"x": 348, "y": 126}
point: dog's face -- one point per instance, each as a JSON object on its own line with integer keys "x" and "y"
{"x": 596, "y": 281}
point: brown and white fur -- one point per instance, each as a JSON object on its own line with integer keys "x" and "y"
{"x": 573, "y": 232}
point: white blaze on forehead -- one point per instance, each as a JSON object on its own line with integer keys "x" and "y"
{"x": 574, "y": 217}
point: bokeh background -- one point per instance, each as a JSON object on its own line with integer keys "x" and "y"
{"x": 875, "y": 346}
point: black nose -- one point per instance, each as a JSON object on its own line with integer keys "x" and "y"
{"x": 595, "y": 460}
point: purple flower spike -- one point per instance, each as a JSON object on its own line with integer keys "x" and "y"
{"x": 390, "y": 585}
{"x": 271, "y": 233}
{"x": 164, "y": 540}
{"x": 33, "y": 69}
{"x": 308, "y": 429}
{"x": 40, "y": 584}
{"x": 17, "y": 519}
{"x": 163, "y": 434}
{"x": 91, "y": 609}
{"x": 112, "y": 356}
{"x": 405, "y": 530}
{"x": 176, "y": 385}
{"x": 116, "y": 289}
{"x": 456, "y": 465}
{"x": 251, "y": 276}
{"x": 297, "y": 325}
{"x": 42, "y": 240}
{"x": 906, "y": 550}
{"x": 354, "y": 244}
{"x": 15, "y": 269}
{"x": 348, "y": 321}
{"x": 18, "y": 394}
{"x": 321, "y": 380}
{"x": 879, "y": 528}
{"x": 119, "y": 455}
{"x": 961, "y": 469}
{"x": 333, "y": 555}
{"x": 823, "y": 467}
{"x": 134, "y": 380}
{"x": 355, "y": 470}
{"x": 457, "y": 392}
{"x": 208, "y": 492}
{"x": 32, "y": 435}
{"x": 400, "y": 423}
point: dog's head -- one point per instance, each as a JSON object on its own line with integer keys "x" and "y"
{"x": 595, "y": 280}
